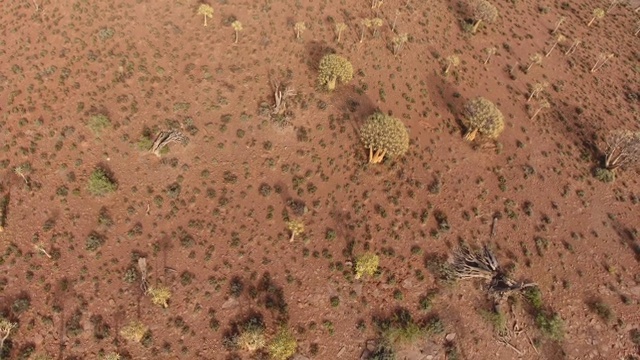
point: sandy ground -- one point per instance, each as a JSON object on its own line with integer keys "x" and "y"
{"x": 202, "y": 216}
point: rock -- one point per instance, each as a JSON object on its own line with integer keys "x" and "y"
{"x": 230, "y": 303}
{"x": 450, "y": 337}
{"x": 371, "y": 345}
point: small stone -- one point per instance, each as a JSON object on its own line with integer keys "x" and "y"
{"x": 450, "y": 337}
{"x": 231, "y": 303}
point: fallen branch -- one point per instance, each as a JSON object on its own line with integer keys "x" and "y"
{"x": 165, "y": 138}
{"x": 142, "y": 266}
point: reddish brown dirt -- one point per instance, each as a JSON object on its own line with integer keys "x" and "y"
{"x": 58, "y": 69}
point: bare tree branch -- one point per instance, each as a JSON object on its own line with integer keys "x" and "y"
{"x": 623, "y": 149}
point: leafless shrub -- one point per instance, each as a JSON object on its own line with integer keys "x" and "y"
{"x": 281, "y": 93}
{"x": 623, "y": 149}
{"x": 164, "y": 138}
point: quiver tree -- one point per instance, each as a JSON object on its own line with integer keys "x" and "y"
{"x": 206, "y": 11}
{"x": 299, "y": 27}
{"x": 483, "y": 11}
{"x": 535, "y": 59}
{"x": 5, "y": 330}
{"x": 398, "y": 42}
{"x": 560, "y": 21}
{"x": 623, "y": 149}
{"x": 451, "y": 61}
{"x": 365, "y": 23}
{"x": 597, "y": 14}
{"x": 573, "y": 47}
{"x": 296, "y": 227}
{"x": 334, "y": 68}
{"x": 602, "y": 59}
{"x": 490, "y": 51}
{"x": 237, "y": 27}
{"x": 537, "y": 88}
{"x": 560, "y": 38}
{"x": 340, "y": 27}
{"x": 376, "y": 23}
{"x": 542, "y": 104}
{"x": 384, "y": 136}
{"x": 482, "y": 116}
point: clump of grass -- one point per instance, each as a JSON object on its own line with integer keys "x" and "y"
{"x": 160, "y": 295}
{"x": 401, "y": 328}
{"x": 98, "y": 123}
{"x": 367, "y": 264}
{"x": 549, "y": 323}
{"x": 251, "y": 336}
{"x": 100, "y": 183}
{"x": 134, "y": 331}
{"x": 283, "y": 345}
{"x": 602, "y": 309}
{"x": 497, "y": 319}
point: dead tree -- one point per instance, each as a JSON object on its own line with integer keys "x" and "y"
{"x": 623, "y": 149}
{"x": 166, "y": 137}
{"x": 281, "y": 94}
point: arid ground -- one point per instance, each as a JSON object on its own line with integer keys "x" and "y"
{"x": 88, "y": 85}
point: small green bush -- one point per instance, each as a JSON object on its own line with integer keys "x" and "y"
{"x": 100, "y": 183}
{"x": 98, "y": 123}
{"x": 283, "y": 346}
{"x": 604, "y": 175}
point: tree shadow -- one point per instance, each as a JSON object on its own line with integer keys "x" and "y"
{"x": 315, "y": 51}
{"x": 629, "y": 237}
{"x": 566, "y": 120}
{"x": 446, "y": 96}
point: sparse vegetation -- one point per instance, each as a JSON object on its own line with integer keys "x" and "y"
{"x": 333, "y": 69}
{"x": 482, "y": 117}
{"x": 384, "y": 136}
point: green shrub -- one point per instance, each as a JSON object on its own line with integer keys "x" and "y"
{"x": 283, "y": 346}
{"x": 98, "y": 123}
{"x": 100, "y": 183}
